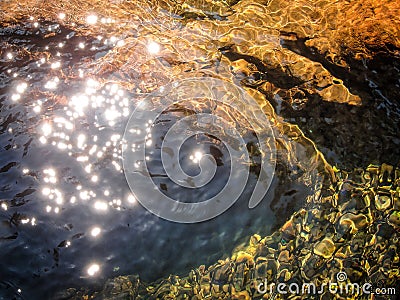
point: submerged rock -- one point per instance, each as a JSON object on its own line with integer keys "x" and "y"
{"x": 325, "y": 248}
{"x": 361, "y": 254}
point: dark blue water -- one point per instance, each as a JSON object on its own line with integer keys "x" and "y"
{"x": 65, "y": 203}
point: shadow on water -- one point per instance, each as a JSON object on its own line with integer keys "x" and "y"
{"x": 354, "y": 136}
{"x": 349, "y": 136}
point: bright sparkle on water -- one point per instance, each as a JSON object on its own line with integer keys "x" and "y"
{"x": 93, "y": 269}
{"x": 46, "y": 129}
{"x": 91, "y": 19}
{"x": 52, "y": 84}
{"x": 196, "y": 157}
{"x": 100, "y": 205}
{"x": 55, "y": 65}
{"x": 81, "y": 141}
{"x": 102, "y": 105}
{"x": 15, "y": 97}
{"x": 153, "y": 47}
{"x": 95, "y": 231}
{"x": 22, "y": 87}
{"x": 131, "y": 199}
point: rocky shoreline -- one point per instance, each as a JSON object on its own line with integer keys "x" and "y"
{"x": 354, "y": 227}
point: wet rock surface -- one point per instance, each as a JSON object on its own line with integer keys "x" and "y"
{"x": 309, "y": 59}
{"x": 319, "y": 241}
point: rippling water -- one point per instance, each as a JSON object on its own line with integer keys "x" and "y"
{"x": 66, "y": 93}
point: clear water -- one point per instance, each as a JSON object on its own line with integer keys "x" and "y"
{"x": 65, "y": 203}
